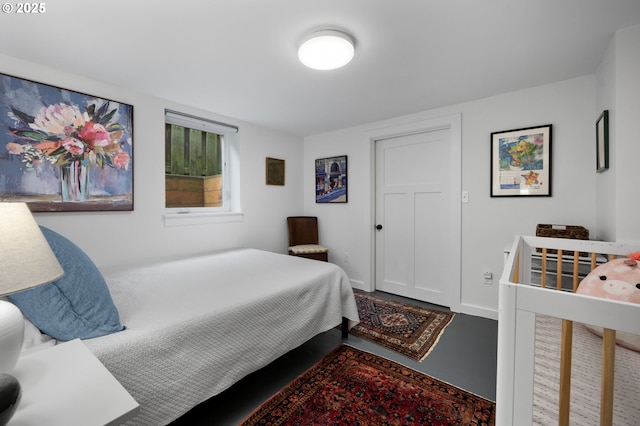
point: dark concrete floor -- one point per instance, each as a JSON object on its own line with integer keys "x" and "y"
{"x": 465, "y": 356}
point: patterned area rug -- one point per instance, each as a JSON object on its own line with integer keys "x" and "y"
{"x": 353, "y": 387}
{"x": 407, "y": 329}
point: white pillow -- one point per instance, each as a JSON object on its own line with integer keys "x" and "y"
{"x": 34, "y": 339}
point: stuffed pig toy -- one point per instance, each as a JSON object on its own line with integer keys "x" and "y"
{"x": 618, "y": 279}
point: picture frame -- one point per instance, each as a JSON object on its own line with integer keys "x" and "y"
{"x": 521, "y": 162}
{"x": 62, "y": 150}
{"x": 331, "y": 180}
{"x": 275, "y": 170}
{"x": 602, "y": 142}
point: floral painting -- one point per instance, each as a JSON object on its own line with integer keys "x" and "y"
{"x": 62, "y": 150}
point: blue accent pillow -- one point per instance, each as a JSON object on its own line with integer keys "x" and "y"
{"x": 78, "y": 305}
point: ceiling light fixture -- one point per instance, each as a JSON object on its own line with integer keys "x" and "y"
{"x": 326, "y": 50}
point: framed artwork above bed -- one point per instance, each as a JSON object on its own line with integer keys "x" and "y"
{"x": 62, "y": 150}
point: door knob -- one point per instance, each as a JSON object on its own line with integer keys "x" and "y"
{"x": 378, "y": 227}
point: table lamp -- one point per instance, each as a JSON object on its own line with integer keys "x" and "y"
{"x": 26, "y": 261}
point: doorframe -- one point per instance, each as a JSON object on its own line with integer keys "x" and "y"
{"x": 453, "y": 122}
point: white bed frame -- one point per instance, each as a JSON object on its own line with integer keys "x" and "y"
{"x": 519, "y": 303}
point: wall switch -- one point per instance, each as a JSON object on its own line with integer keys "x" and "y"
{"x": 465, "y": 196}
{"x": 488, "y": 277}
{"x": 346, "y": 257}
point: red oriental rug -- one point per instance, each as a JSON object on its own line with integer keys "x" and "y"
{"x": 404, "y": 328}
{"x": 353, "y": 387}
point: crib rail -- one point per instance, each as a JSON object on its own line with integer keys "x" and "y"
{"x": 525, "y": 291}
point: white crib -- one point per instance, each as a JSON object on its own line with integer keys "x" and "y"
{"x": 526, "y": 293}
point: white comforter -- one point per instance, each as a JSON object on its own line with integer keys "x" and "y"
{"x": 197, "y": 325}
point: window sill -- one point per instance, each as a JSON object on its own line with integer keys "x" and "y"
{"x": 180, "y": 219}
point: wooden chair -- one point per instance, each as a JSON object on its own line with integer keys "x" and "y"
{"x": 303, "y": 238}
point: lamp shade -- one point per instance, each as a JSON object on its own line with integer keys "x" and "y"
{"x": 26, "y": 259}
{"x": 326, "y": 50}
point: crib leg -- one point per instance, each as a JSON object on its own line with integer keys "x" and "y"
{"x": 608, "y": 367}
{"x": 565, "y": 372}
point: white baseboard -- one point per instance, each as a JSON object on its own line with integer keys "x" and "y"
{"x": 360, "y": 285}
{"x": 479, "y": 311}
{"x": 474, "y": 310}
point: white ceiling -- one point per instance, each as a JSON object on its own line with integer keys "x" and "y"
{"x": 238, "y": 57}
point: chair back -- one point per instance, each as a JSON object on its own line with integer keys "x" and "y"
{"x": 302, "y": 230}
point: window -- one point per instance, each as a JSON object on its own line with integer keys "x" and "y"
{"x": 193, "y": 167}
{"x": 199, "y": 157}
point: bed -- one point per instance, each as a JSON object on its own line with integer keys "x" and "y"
{"x": 551, "y": 368}
{"x": 196, "y": 325}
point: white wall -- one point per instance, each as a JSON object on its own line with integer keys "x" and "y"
{"x": 115, "y": 238}
{"x": 627, "y": 133}
{"x": 488, "y": 224}
{"x": 606, "y": 100}
{"x": 618, "y": 90}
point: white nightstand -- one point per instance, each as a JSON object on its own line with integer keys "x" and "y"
{"x": 66, "y": 385}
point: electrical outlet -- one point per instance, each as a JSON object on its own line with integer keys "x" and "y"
{"x": 346, "y": 257}
{"x": 488, "y": 277}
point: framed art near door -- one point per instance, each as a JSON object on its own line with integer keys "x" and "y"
{"x": 521, "y": 162}
{"x": 331, "y": 180}
{"x": 62, "y": 150}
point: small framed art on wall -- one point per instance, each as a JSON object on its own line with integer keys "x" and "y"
{"x": 275, "y": 171}
{"x": 602, "y": 142}
{"x": 331, "y": 180}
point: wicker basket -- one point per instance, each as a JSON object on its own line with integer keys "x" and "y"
{"x": 562, "y": 231}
